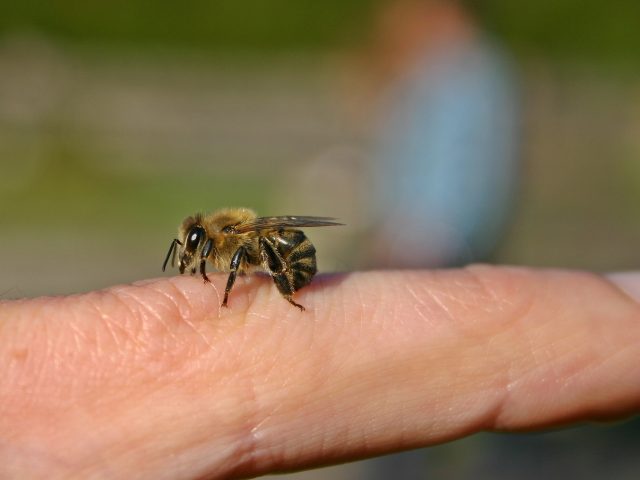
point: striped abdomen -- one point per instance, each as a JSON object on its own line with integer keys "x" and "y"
{"x": 290, "y": 258}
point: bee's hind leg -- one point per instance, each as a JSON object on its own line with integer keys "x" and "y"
{"x": 235, "y": 264}
{"x": 276, "y": 266}
{"x": 285, "y": 288}
{"x": 290, "y": 300}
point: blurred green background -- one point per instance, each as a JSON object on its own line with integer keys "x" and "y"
{"x": 117, "y": 119}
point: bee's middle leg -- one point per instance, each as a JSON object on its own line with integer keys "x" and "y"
{"x": 235, "y": 264}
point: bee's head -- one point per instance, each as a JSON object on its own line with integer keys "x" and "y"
{"x": 193, "y": 239}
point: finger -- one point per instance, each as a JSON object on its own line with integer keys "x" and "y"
{"x": 157, "y": 379}
{"x": 628, "y": 282}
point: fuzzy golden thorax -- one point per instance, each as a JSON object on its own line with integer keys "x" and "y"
{"x": 218, "y": 226}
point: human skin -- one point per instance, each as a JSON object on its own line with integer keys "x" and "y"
{"x": 156, "y": 381}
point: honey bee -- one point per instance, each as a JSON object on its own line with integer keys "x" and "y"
{"x": 236, "y": 240}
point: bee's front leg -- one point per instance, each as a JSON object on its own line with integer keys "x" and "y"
{"x": 208, "y": 246}
{"x": 171, "y": 253}
{"x": 235, "y": 264}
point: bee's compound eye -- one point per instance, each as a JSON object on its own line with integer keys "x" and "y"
{"x": 193, "y": 238}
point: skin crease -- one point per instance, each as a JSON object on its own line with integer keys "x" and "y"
{"x": 155, "y": 380}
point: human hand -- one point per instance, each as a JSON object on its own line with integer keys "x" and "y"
{"x": 155, "y": 380}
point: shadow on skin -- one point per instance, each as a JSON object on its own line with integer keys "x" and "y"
{"x": 256, "y": 286}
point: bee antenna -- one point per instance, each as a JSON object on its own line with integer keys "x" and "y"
{"x": 170, "y": 252}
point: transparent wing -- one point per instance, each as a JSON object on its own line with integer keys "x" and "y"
{"x": 261, "y": 223}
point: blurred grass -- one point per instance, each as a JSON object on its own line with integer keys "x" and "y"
{"x": 575, "y": 30}
{"x": 73, "y": 226}
{"x": 239, "y": 25}
{"x": 70, "y": 188}
{"x": 583, "y": 30}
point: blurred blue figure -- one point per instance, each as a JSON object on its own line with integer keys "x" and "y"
{"x": 447, "y": 155}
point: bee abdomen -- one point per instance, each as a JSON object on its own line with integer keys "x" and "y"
{"x": 299, "y": 256}
{"x": 302, "y": 264}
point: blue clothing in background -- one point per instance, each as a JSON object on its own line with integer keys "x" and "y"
{"x": 448, "y": 158}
